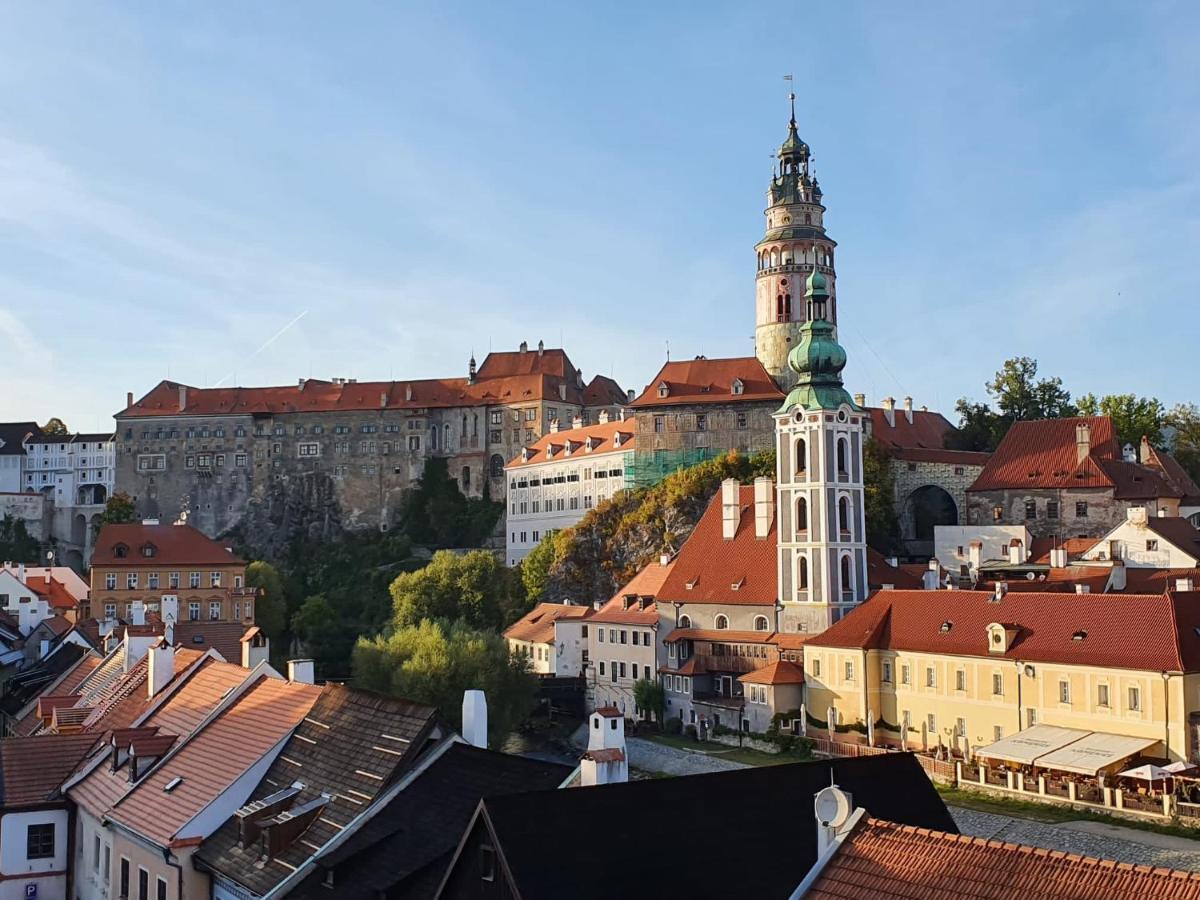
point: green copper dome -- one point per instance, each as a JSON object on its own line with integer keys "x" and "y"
{"x": 792, "y": 143}
{"x": 818, "y": 359}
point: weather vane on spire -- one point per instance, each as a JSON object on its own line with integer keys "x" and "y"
{"x": 791, "y": 98}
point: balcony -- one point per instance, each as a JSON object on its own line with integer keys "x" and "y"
{"x": 736, "y": 665}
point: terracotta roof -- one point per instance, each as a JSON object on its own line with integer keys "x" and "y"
{"x": 710, "y": 381}
{"x": 881, "y": 572}
{"x": 1155, "y": 581}
{"x": 212, "y": 759}
{"x": 611, "y": 754}
{"x": 604, "y": 391}
{"x": 1123, "y": 631}
{"x": 80, "y": 664}
{"x": 174, "y": 545}
{"x": 1040, "y": 547}
{"x": 506, "y": 363}
{"x": 52, "y": 591}
{"x": 779, "y": 672}
{"x": 883, "y": 859}
{"x": 537, "y": 625}
{"x": 712, "y": 565}
{"x": 603, "y": 438}
{"x": 646, "y": 583}
{"x": 32, "y": 769}
{"x": 692, "y": 667}
{"x": 224, "y": 637}
{"x": 963, "y": 458}
{"x": 927, "y": 430}
{"x": 1174, "y": 473}
{"x": 1178, "y": 532}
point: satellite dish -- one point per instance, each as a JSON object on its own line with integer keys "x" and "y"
{"x": 1030, "y": 576}
{"x": 832, "y": 806}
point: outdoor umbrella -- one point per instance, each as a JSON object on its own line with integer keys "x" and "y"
{"x": 1148, "y": 772}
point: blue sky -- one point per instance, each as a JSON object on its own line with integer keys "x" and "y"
{"x": 178, "y": 182}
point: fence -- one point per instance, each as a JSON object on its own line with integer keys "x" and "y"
{"x": 936, "y": 769}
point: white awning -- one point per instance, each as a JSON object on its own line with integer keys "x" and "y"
{"x": 1097, "y": 751}
{"x": 1026, "y": 746}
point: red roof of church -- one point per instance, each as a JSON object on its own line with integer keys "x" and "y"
{"x": 703, "y": 380}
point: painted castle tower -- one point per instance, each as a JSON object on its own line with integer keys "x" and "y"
{"x": 819, "y": 477}
{"x": 794, "y": 246}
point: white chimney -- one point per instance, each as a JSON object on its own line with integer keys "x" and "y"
{"x": 137, "y": 613}
{"x": 1001, "y": 591}
{"x": 161, "y": 668}
{"x": 44, "y": 646}
{"x": 602, "y": 417}
{"x": 21, "y": 572}
{"x": 1083, "y": 441}
{"x": 1144, "y": 450}
{"x": 605, "y": 761}
{"x": 182, "y": 397}
{"x": 1184, "y": 583}
{"x": 1058, "y": 558}
{"x": 576, "y": 421}
{"x": 1117, "y": 577}
{"x": 889, "y": 410}
{"x": 908, "y": 413}
{"x": 168, "y": 606}
{"x": 1016, "y": 552}
{"x": 860, "y": 399}
{"x": 136, "y": 646}
{"x": 1129, "y": 454}
{"x": 474, "y": 718}
{"x": 301, "y": 671}
{"x": 1136, "y": 515}
{"x": 764, "y": 505}
{"x": 731, "y": 512}
{"x": 929, "y": 579}
{"x": 1083, "y": 589}
{"x": 975, "y": 554}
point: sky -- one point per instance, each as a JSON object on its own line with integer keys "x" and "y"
{"x": 232, "y": 193}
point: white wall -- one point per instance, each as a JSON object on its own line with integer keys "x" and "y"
{"x": 948, "y": 538}
{"x": 18, "y": 871}
{"x": 91, "y": 884}
{"x": 1134, "y": 540}
{"x": 569, "y": 645}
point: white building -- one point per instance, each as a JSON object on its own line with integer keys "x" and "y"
{"x": 555, "y": 481}
{"x": 1144, "y": 541}
{"x": 535, "y": 636}
{"x": 77, "y": 469}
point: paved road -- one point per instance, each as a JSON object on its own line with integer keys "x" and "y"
{"x": 654, "y": 757}
{"x": 1084, "y": 838}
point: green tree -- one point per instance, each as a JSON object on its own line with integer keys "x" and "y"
{"x": 437, "y": 514}
{"x": 472, "y": 587}
{"x": 118, "y": 510}
{"x": 433, "y": 662}
{"x": 16, "y": 543}
{"x": 650, "y": 696}
{"x": 1132, "y": 416}
{"x": 979, "y": 427}
{"x": 55, "y": 426}
{"x": 535, "y": 567}
{"x": 1183, "y": 421}
{"x": 1020, "y": 395}
{"x": 879, "y": 492}
{"x": 323, "y": 635}
{"x": 270, "y": 606}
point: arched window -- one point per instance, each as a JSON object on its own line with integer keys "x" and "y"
{"x": 464, "y": 428}
{"x": 842, "y": 457}
{"x": 774, "y": 258}
{"x": 721, "y": 623}
{"x": 801, "y": 457}
{"x": 802, "y": 574}
{"x": 760, "y": 623}
{"x": 787, "y": 307}
{"x": 685, "y": 621}
{"x": 802, "y": 514}
{"x": 497, "y": 462}
{"x": 466, "y": 478}
{"x": 433, "y": 437}
{"x": 779, "y": 308}
{"x": 808, "y": 218}
{"x": 847, "y": 586}
{"x": 844, "y": 513}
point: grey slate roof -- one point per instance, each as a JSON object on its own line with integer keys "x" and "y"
{"x": 351, "y": 745}
{"x": 12, "y": 434}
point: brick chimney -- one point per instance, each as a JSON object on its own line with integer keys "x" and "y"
{"x": 1083, "y": 441}
{"x": 731, "y": 512}
{"x": 128, "y": 399}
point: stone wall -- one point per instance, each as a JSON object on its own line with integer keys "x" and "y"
{"x": 1104, "y": 512}
{"x": 909, "y": 477}
{"x": 747, "y": 427}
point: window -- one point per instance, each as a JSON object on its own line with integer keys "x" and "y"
{"x": 612, "y": 671}
{"x": 997, "y": 684}
{"x": 173, "y": 580}
{"x": 487, "y": 863}
{"x": 131, "y": 580}
{"x": 124, "y": 885}
{"x": 930, "y": 677}
{"x": 214, "y": 579}
{"x": 1064, "y": 691}
{"x": 931, "y": 723}
{"x": 308, "y": 449}
{"x": 193, "y": 579}
{"x": 600, "y": 637}
{"x": 1151, "y": 545}
{"x": 143, "y": 884}
{"x": 96, "y": 852}
{"x": 39, "y": 841}
{"x": 960, "y": 727}
{"x": 849, "y": 670}
{"x": 721, "y": 623}
{"x": 960, "y": 680}
{"x": 905, "y": 675}
{"x": 1081, "y": 509}
{"x": 760, "y": 623}
{"x": 816, "y": 668}
{"x": 110, "y": 581}
{"x": 1102, "y": 695}
{"x": 1051, "y": 509}
{"x": 160, "y": 890}
{"x": 1031, "y": 509}
{"x": 659, "y": 424}
{"x": 685, "y": 621}
{"x": 741, "y": 420}
{"x": 110, "y": 610}
{"x": 997, "y": 732}
{"x": 701, "y": 422}
{"x": 194, "y": 611}
{"x": 997, "y": 513}
{"x": 1135, "y": 699}
{"x": 887, "y": 672}
{"x": 624, "y": 635}
{"x": 214, "y": 610}
{"x": 601, "y": 667}
{"x": 1030, "y": 717}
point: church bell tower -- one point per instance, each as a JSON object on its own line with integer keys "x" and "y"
{"x": 794, "y": 246}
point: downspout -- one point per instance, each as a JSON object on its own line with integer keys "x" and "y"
{"x": 178, "y": 867}
{"x": 1167, "y": 714}
{"x": 1020, "y": 670}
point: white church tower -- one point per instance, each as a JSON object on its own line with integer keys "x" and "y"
{"x": 819, "y": 434}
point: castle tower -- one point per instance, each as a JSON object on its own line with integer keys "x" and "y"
{"x": 819, "y": 434}
{"x": 794, "y": 246}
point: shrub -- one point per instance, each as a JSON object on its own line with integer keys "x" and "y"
{"x": 690, "y": 731}
{"x": 675, "y": 725}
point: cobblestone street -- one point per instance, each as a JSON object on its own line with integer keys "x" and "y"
{"x": 1084, "y": 838}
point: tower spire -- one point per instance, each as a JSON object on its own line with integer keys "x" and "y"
{"x": 792, "y": 99}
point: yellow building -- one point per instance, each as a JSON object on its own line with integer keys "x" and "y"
{"x": 967, "y": 668}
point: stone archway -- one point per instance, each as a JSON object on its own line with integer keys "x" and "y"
{"x": 925, "y": 508}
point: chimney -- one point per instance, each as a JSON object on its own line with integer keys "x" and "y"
{"x": 1136, "y": 515}
{"x": 602, "y": 418}
{"x": 382, "y": 399}
{"x": 1129, "y": 454}
{"x": 605, "y": 761}
{"x": 664, "y": 559}
{"x": 908, "y": 409}
{"x": 764, "y": 505}
{"x": 182, "y": 397}
{"x": 579, "y": 378}
{"x": 554, "y": 426}
{"x": 929, "y": 579}
{"x": 541, "y": 348}
{"x": 1116, "y": 578}
{"x": 1083, "y": 441}
{"x": 524, "y": 347}
{"x": 889, "y": 410}
{"x": 21, "y": 573}
{"x": 300, "y": 671}
{"x": 161, "y": 668}
{"x": 128, "y": 399}
{"x": 1083, "y": 589}
{"x": 1016, "y": 552}
{"x": 860, "y": 399}
{"x": 1144, "y": 451}
{"x": 474, "y": 718}
{"x": 408, "y": 393}
{"x": 1185, "y": 583}
{"x": 577, "y": 421}
{"x": 731, "y": 512}
{"x": 137, "y": 613}
{"x": 1058, "y": 558}
{"x": 975, "y": 554}
{"x": 630, "y": 396}
{"x": 1001, "y": 590}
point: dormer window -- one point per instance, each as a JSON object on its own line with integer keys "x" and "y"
{"x": 663, "y": 389}
{"x": 738, "y": 387}
{"x": 149, "y": 550}
{"x": 998, "y": 638}
{"x": 120, "y": 551}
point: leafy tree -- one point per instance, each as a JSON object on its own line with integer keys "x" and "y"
{"x": 1132, "y": 416}
{"x": 1021, "y": 395}
{"x": 879, "y": 492}
{"x": 433, "y": 662}
{"x": 118, "y": 510}
{"x": 472, "y": 587}
{"x": 270, "y": 606}
{"x": 55, "y": 426}
{"x": 650, "y": 696}
{"x": 535, "y": 567}
{"x": 16, "y": 543}
{"x": 1184, "y": 423}
{"x": 437, "y": 514}
{"x": 979, "y": 428}
{"x": 323, "y": 635}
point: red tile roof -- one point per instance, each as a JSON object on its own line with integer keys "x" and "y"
{"x": 1178, "y": 532}
{"x": 963, "y": 458}
{"x": 881, "y": 572}
{"x": 1124, "y": 631}
{"x": 65, "y": 686}
{"x": 1154, "y": 581}
{"x": 883, "y": 859}
{"x": 537, "y": 625}
{"x": 703, "y": 380}
{"x": 52, "y": 591}
{"x": 927, "y": 429}
{"x": 224, "y": 637}
{"x": 604, "y": 391}
{"x": 646, "y": 583}
{"x": 610, "y": 754}
{"x": 780, "y": 672}
{"x": 603, "y": 437}
{"x": 506, "y": 363}
{"x": 32, "y": 769}
{"x": 174, "y": 545}
{"x": 1040, "y": 547}
{"x": 712, "y": 565}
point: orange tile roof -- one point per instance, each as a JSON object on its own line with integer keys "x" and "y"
{"x": 537, "y": 625}
{"x": 603, "y": 437}
{"x": 1155, "y": 581}
{"x": 779, "y": 672}
{"x": 883, "y": 859}
{"x": 646, "y": 583}
{"x": 604, "y": 391}
{"x": 712, "y": 565}
{"x": 703, "y": 380}
{"x": 32, "y": 769}
{"x": 881, "y": 572}
{"x": 1040, "y": 547}
{"x": 174, "y": 545}
{"x": 53, "y": 591}
{"x": 927, "y": 430}
{"x": 65, "y": 686}
{"x": 213, "y": 759}
{"x": 224, "y": 637}
{"x": 963, "y": 458}
{"x": 1045, "y": 624}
